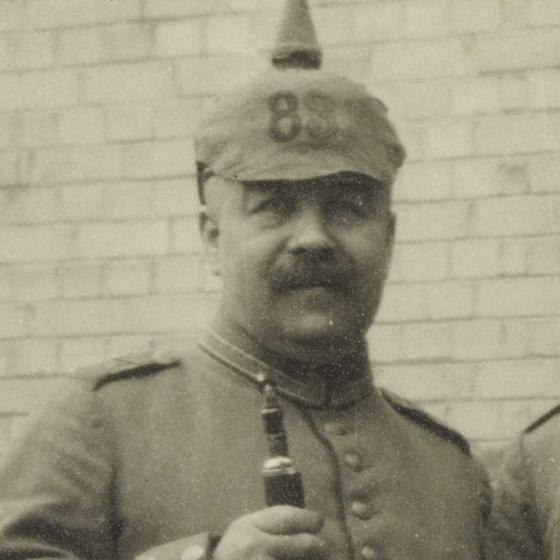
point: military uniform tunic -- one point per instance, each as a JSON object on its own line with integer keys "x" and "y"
{"x": 526, "y": 513}
{"x": 155, "y": 451}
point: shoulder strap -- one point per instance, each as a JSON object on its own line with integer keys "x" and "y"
{"x": 133, "y": 366}
{"x": 426, "y": 421}
{"x": 542, "y": 419}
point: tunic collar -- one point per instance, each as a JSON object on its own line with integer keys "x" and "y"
{"x": 334, "y": 389}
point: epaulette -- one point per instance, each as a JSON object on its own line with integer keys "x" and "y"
{"x": 133, "y": 366}
{"x": 426, "y": 422}
{"x": 541, "y": 420}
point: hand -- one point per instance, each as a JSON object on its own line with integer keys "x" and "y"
{"x": 276, "y": 533}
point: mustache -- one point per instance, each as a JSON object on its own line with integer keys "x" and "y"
{"x": 310, "y": 274}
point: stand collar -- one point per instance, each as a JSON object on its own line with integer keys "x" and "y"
{"x": 328, "y": 387}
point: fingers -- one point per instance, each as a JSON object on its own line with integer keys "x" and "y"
{"x": 286, "y": 520}
{"x": 303, "y": 546}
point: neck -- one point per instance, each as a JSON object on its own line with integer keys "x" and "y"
{"x": 339, "y": 368}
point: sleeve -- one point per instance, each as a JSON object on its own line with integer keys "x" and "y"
{"x": 197, "y": 547}
{"x": 513, "y": 524}
{"x": 55, "y": 484}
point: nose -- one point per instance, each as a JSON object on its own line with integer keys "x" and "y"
{"x": 310, "y": 233}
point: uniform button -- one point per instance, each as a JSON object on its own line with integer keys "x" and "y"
{"x": 194, "y": 552}
{"x": 335, "y": 429}
{"x": 353, "y": 461}
{"x": 361, "y": 510}
{"x": 369, "y": 553}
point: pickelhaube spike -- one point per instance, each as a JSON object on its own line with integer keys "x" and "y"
{"x": 297, "y": 45}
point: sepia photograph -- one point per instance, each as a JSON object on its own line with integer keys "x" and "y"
{"x": 280, "y": 279}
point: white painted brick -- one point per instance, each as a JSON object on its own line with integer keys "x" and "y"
{"x": 37, "y": 128}
{"x": 478, "y": 420}
{"x": 34, "y": 282}
{"x": 15, "y": 320}
{"x": 446, "y": 300}
{"x": 448, "y": 139}
{"x": 333, "y": 25}
{"x": 518, "y": 133}
{"x": 69, "y": 13}
{"x": 36, "y": 243}
{"x": 518, "y": 379}
{"x": 515, "y": 14}
{"x": 544, "y": 173}
{"x": 177, "y": 118}
{"x": 178, "y": 38}
{"x": 80, "y": 281}
{"x": 9, "y": 168}
{"x": 229, "y": 35}
{"x": 476, "y": 96}
{"x": 429, "y": 381}
{"x": 517, "y": 215}
{"x": 27, "y": 205}
{"x": 513, "y": 92}
{"x": 421, "y": 59}
{"x": 74, "y": 164}
{"x": 129, "y": 344}
{"x": 528, "y": 297}
{"x": 213, "y": 75}
{"x": 82, "y": 45}
{"x": 426, "y": 341}
{"x": 170, "y": 312}
{"x": 518, "y": 50}
{"x": 544, "y": 337}
{"x": 128, "y": 82}
{"x": 426, "y": 18}
{"x": 515, "y": 339}
{"x": 476, "y": 15}
{"x": 76, "y": 353}
{"x": 420, "y": 100}
{"x": 384, "y": 343}
{"x": 7, "y": 130}
{"x": 423, "y": 261}
{"x": 544, "y": 89}
{"x": 174, "y": 8}
{"x": 127, "y": 277}
{"x": 81, "y": 126}
{"x": 377, "y": 22}
{"x": 544, "y": 12}
{"x": 12, "y": 15}
{"x": 244, "y": 5}
{"x": 475, "y": 339}
{"x": 6, "y": 284}
{"x": 81, "y": 201}
{"x": 27, "y": 357}
{"x": 412, "y": 137}
{"x": 424, "y": 181}
{"x": 128, "y": 41}
{"x": 178, "y": 197}
{"x": 87, "y": 317}
{"x": 514, "y": 257}
{"x": 121, "y": 239}
{"x": 544, "y": 255}
{"x": 514, "y": 178}
{"x": 402, "y": 302}
{"x": 179, "y": 274}
{"x": 159, "y": 159}
{"x": 476, "y": 178}
{"x": 38, "y": 89}
{"x": 128, "y": 122}
{"x": 128, "y": 200}
{"x": 475, "y": 258}
{"x": 19, "y": 51}
{"x": 185, "y": 236}
{"x": 438, "y": 220}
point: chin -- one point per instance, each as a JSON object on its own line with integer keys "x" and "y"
{"x": 318, "y": 330}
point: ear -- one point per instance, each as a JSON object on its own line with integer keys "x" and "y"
{"x": 210, "y": 233}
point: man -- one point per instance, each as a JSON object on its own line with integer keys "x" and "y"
{"x": 526, "y": 513}
{"x": 295, "y": 175}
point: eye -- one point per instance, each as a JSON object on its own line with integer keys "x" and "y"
{"x": 270, "y": 204}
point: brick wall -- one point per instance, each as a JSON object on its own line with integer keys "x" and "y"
{"x": 99, "y": 250}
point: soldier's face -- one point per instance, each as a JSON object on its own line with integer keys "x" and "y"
{"x": 303, "y": 263}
